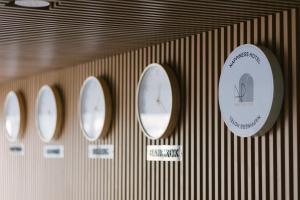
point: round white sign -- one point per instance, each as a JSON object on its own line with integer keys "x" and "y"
{"x": 250, "y": 90}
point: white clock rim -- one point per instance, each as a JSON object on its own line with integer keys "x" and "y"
{"x": 58, "y": 105}
{"x": 276, "y": 105}
{"x": 22, "y": 115}
{"x": 108, "y": 108}
{"x": 174, "y": 116}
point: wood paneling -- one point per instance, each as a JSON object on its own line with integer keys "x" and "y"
{"x": 77, "y": 31}
{"x": 216, "y": 164}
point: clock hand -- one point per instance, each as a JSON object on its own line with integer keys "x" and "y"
{"x": 159, "y": 90}
{"x": 162, "y": 105}
{"x": 158, "y": 98}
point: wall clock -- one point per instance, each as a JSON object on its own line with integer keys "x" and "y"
{"x": 250, "y": 90}
{"x": 48, "y": 113}
{"x": 14, "y": 114}
{"x": 158, "y": 101}
{"x": 95, "y": 108}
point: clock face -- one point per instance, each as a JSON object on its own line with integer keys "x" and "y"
{"x": 95, "y": 108}
{"x": 13, "y": 111}
{"x": 155, "y": 103}
{"x": 47, "y": 110}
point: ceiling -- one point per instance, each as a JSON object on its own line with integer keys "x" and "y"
{"x": 32, "y": 41}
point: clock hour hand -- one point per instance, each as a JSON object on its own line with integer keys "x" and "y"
{"x": 161, "y": 105}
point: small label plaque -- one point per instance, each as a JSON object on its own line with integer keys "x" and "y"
{"x": 54, "y": 151}
{"x": 164, "y": 153}
{"x": 17, "y": 149}
{"x": 103, "y": 151}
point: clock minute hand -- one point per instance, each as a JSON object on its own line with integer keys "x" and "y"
{"x": 158, "y": 98}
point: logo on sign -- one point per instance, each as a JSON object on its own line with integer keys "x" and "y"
{"x": 244, "y": 90}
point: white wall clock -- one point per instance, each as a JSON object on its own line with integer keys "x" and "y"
{"x": 95, "y": 108}
{"x": 250, "y": 90}
{"x": 158, "y": 101}
{"x": 14, "y": 115}
{"x": 48, "y": 113}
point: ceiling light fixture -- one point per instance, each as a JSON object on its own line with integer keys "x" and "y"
{"x": 32, "y": 3}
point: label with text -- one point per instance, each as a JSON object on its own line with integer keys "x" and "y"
{"x": 53, "y": 151}
{"x": 17, "y": 149}
{"x": 164, "y": 153}
{"x": 104, "y": 151}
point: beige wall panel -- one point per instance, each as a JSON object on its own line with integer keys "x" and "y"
{"x": 216, "y": 164}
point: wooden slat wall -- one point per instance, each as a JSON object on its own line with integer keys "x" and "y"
{"x": 216, "y": 164}
{"x": 34, "y": 40}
